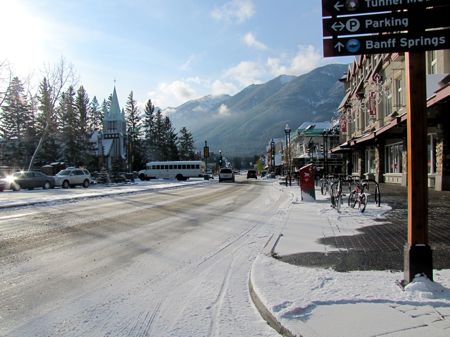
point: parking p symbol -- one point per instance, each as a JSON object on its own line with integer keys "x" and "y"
{"x": 352, "y": 25}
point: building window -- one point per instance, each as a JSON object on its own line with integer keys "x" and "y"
{"x": 399, "y": 95}
{"x": 431, "y": 154}
{"x": 370, "y": 160}
{"x": 356, "y": 163}
{"x": 388, "y": 103}
{"x": 432, "y": 62}
{"x": 394, "y": 158}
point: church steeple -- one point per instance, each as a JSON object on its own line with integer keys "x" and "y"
{"x": 114, "y": 113}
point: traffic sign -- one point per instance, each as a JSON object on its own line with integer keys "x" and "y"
{"x": 344, "y": 7}
{"x": 387, "y": 43}
{"x": 386, "y": 22}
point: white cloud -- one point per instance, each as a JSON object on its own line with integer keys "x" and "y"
{"x": 223, "y": 111}
{"x": 234, "y": 11}
{"x": 246, "y": 73}
{"x": 251, "y": 41}
{"x": 199, "y": 109}
{"x": 172, "y": 94}
{"x": 306, "y": 59}
{"x": 223, "y": 88}
{"x": 187, "y": 64}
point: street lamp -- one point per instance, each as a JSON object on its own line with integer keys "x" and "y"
{"x": 325, "y": 134}
{"x": 272, "y": 154}
{"x": 287, "y": 132}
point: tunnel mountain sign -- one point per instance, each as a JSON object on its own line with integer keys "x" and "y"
{"x": 356, "y": 27}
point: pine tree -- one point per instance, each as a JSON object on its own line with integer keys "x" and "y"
{"x": 47, "y": 126}
{"x": 16, "y": 121}
{"x": 186, "y": 145}
{"x": 83, "y": 115}
{"x": 170, "y": 141}
{"x": 95, "y": 120}
{"x": 71, "y": 128}
{"x": 159, "y": 139}
{"x": 148, "y": 128}
{"x": 134, "y": 132}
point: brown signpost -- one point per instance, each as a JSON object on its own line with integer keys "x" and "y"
{"x": 411, "y": 26}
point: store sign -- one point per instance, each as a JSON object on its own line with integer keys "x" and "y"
{"x": 396, "y": 26}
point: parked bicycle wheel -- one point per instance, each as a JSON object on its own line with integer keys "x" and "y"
{"x": 324, "y": 187}
{"x": 377, "y": 196}
{"x": 338, "y": 202}
{"x": 352, "y": 199}
{"x": 362, "y": 202}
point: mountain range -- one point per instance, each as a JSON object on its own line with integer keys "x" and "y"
{"x": 243, "y": 124}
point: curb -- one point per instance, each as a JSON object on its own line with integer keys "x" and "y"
{"x": 265, "y": 312}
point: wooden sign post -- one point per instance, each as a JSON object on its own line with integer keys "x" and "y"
{"x": 418, "y": 255}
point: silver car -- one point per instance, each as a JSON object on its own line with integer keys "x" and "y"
{"x": 72, "y": 177}
{"x": 226, "y": 174}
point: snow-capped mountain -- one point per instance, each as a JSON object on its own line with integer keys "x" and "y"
{"x": 244, "y": 123}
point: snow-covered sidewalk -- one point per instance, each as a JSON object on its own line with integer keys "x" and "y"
{"x": 306, "y": 301}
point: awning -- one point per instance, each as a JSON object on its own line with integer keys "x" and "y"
{"x": 344, "y": 101}
{"x": 439, "y": 96}
{"x": 344, "y": 147}
{"x": 364, "y": 138}
{"x": 395, "y": 122}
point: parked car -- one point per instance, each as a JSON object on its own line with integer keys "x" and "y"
{"x": 226, "y": 174}
{"x": 30, "y": 180}
{"x": 71, "y": 177}
{"x": 2, "y": 185}
{"x": 252, "y": 174}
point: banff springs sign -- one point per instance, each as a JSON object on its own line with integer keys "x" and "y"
{"x": 355, "y": 27}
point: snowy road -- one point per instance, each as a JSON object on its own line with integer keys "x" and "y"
{"x": 163, "y": 263}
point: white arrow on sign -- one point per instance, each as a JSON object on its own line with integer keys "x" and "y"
{"x": 338, "y": 6}
{"x": 338, "y": 26}
{"x": 339, "y": 46}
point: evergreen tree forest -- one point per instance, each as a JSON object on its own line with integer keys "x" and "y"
{"x": 59, "y": 122}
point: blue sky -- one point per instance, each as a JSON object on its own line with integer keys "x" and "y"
{"x": 169, "y": 51}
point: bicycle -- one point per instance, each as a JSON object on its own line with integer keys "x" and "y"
{"x": 324, "y": 185}
{"x": 359, "y": 196}
{"x": 377, "y": 193}
{"x": 336, "y": 194}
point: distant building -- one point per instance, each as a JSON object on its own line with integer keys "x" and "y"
{"x": 311, "y": 143}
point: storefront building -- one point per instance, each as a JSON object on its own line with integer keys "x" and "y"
{"x": 373, "y": 118}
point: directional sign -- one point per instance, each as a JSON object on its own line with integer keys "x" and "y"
{"x": 386, "y": 22}
{"x": 344, "y": 7}
{"x": 387, "y": 43}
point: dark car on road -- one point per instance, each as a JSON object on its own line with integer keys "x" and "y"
{"x": 252, "y": 174}
{"x": 30, "y": 180}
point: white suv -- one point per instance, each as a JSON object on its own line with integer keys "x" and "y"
{"x": 72, "y": 177}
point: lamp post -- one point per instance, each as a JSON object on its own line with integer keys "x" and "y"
{"x": 206, "y": 155}
{"x": 287, "y": 132}
{"x": 325, "y": 151}
{"x": 272, "y": 154}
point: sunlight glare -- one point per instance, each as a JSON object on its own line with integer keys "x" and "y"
{"x": 23, "y": 37}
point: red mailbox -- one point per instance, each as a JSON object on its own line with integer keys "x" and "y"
{"x": 307, "y": 184}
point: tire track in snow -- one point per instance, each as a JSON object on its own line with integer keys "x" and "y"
{"x": 143, "y": 325}
{"x": 236, "y": 239}
{"x": 218, "y": 302}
